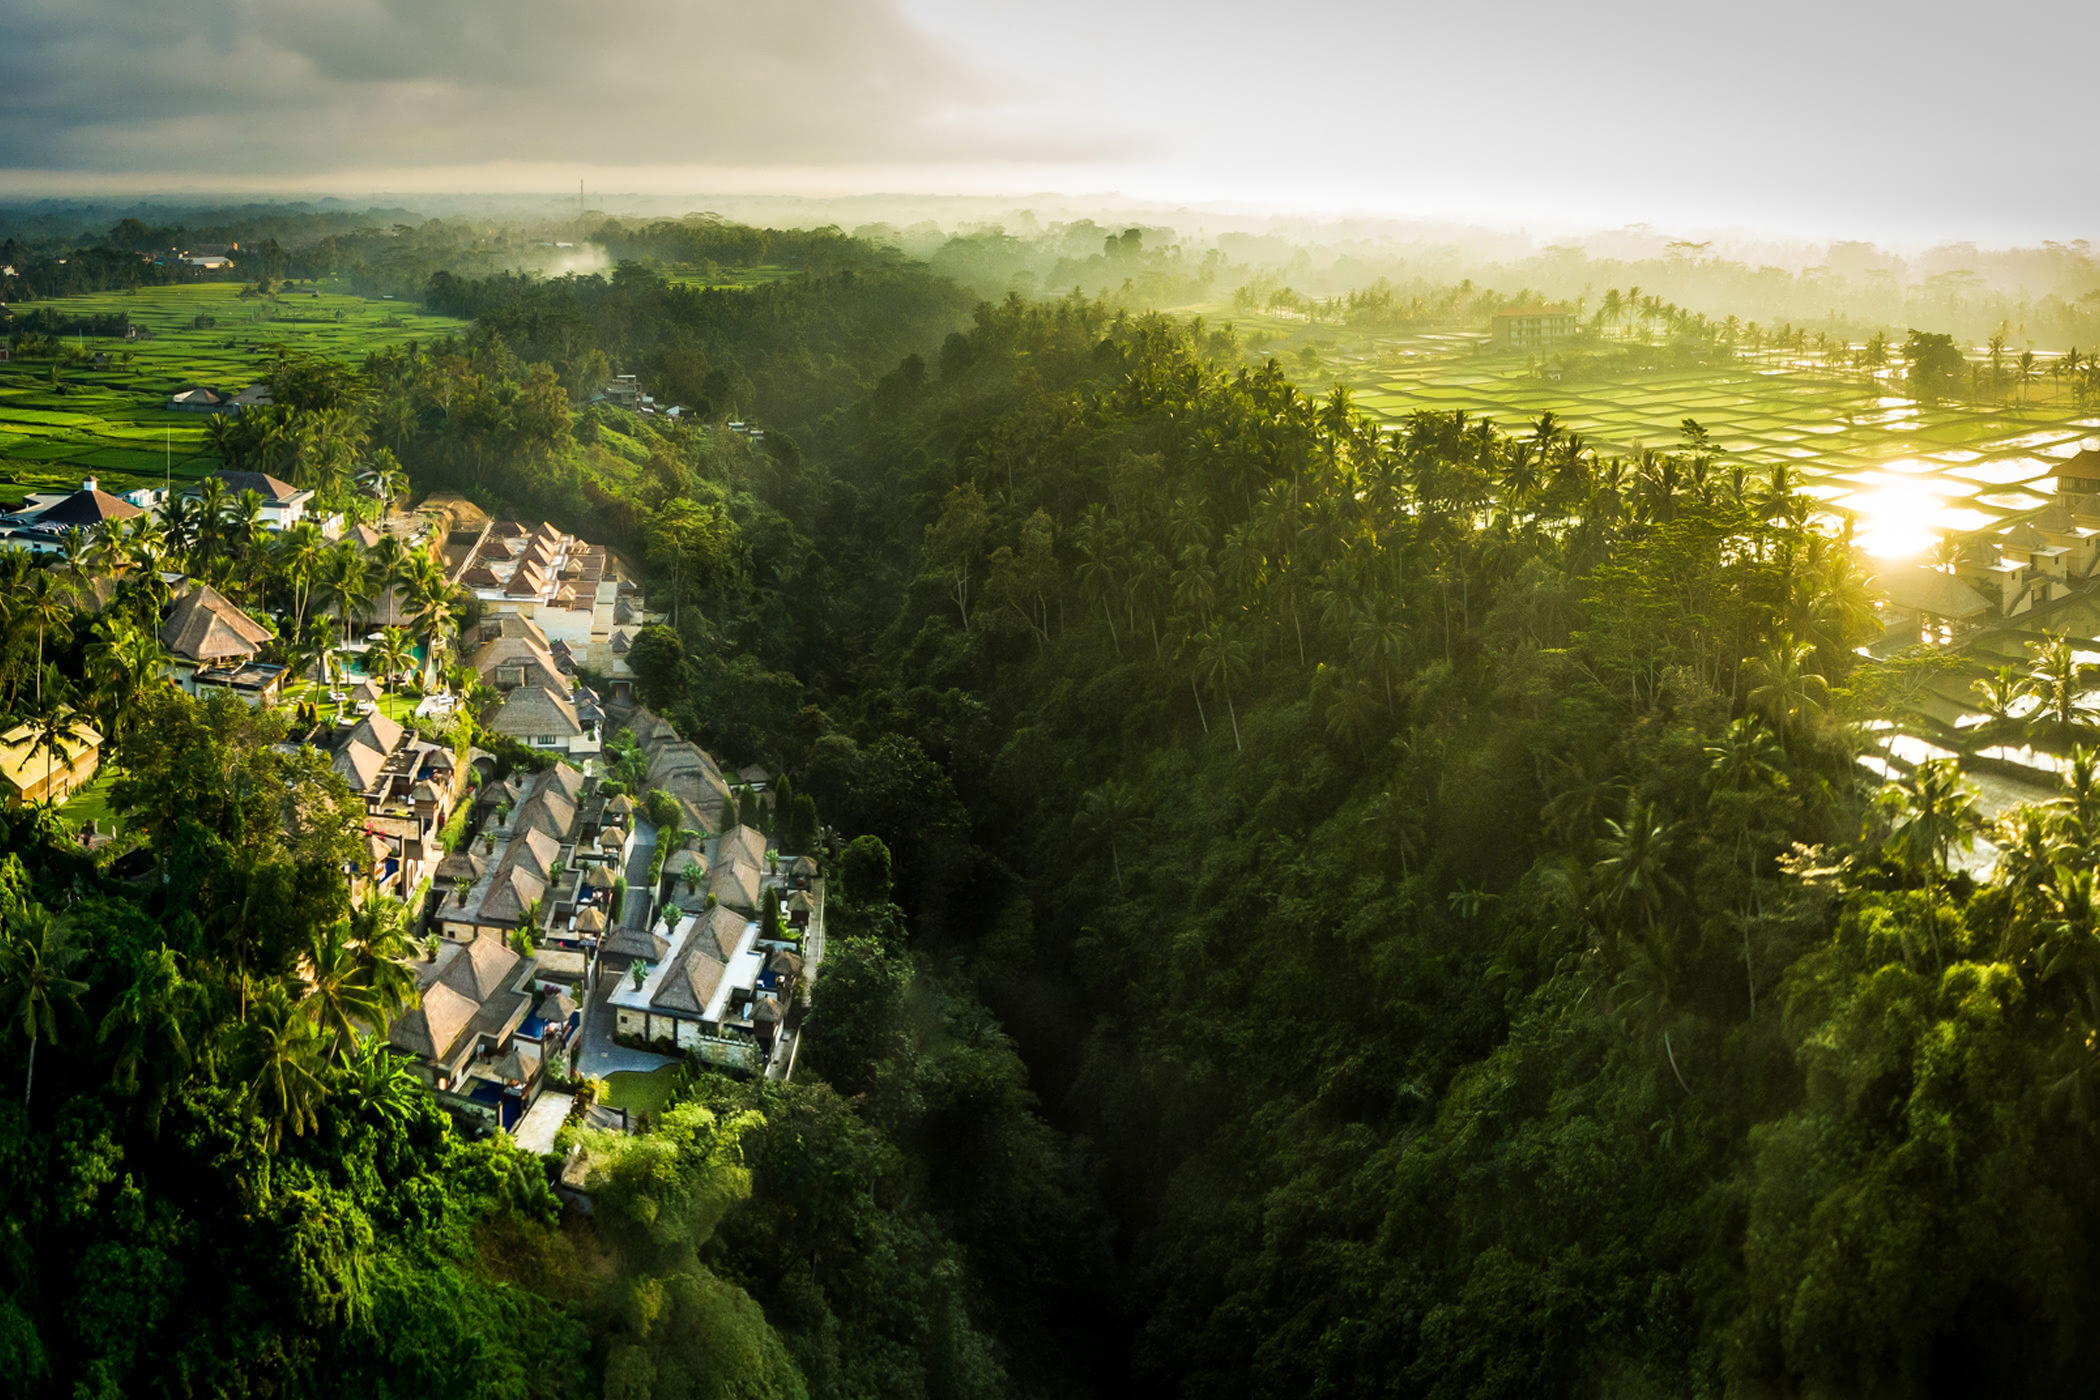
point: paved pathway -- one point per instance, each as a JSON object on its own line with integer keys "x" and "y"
{"x": 535, "y": 1131}
{"x": 641, "y": 904}
{"x": 599, "y": 1055}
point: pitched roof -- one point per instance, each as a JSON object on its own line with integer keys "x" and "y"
{"x": 511, "y": 894}
{"x": 727, "y": 928}
{"x": 533, "y": 711}
{"x": 1919, "y": 589}
{"x": 87, "y": 506}
{"x": 481, "y": 968}
{"x": 548, "y": 812}
{"x": 735, "y": 883}
{"x": 519, "y": 1063}
{"x": 627, "y": 941}
{"x": 684, "y": 770}
{"x": 556, "y": 1005}
{"x": 513, "y": 625}
{"x": 536, "y": 663}
{"x": 205, "y": 627}
{"x": 754, "y": 774}
{"x": 745, "y": 843}
{"x": 525, "y": 583}
{"x": 359, "y": 763}
{"x": 434, "y": 1027}
{"x": 480, "y": 576}
{"x": 273, "y": 491}
{"x": 379, "y": 732}
{"x": 591, "y": 920}
{"x": 690, "y": 982}
{"x": 536, "y": 851}
{"x": 462, "y": 864}
{"x": 24, "y": 761}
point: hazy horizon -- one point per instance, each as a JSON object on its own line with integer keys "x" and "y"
{"x": 1821, "y": 122}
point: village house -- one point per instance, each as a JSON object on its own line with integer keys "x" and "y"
{"x": 196, "y": 398}
{"x": 40, "y": 523}
{"x": 35, "y": 770}
{"x": 704, "y": 995}
{"x": 1533, "y": 327}
{"x": 283, "y": 504}
{"x": 523, "y": 868}
{"x": 544, "y": 719}
{"x": 514, "y": 652}
{"x": 683, "y": 769}
{"x": 1921, "y": 604}
{"x": 463, "y": 1036}
{"x": 409, "y": 786}
{"x": 213, "y": 645}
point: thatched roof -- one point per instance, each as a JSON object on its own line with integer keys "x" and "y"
{"x": 205, "y": 627}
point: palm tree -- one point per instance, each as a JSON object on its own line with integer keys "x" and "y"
{"x": 298, "y": 559}
{"x": 43, "y": 609}
{"x": 51, "y": 728}
{"x": 1632, "y": 875}
{"x": 346, "y": 583}
{"x": 1931, "y": 815}
{"x": 1222, "y": 657}
{"x": 151, "y": 1023}
{"x": 388, "y": 656}
{"x": 2058, "y": 683}
{"x": 211, "y": 516}
{"x": 340, "y": 998}
{"x": 1784, "y": 690}
{"x": 1999, "y": 693}
{"x": 1110, "y": 813}
{"x": 384, "y": 477}
{"x": 124, "y": 662}
{"x": 432, "y": 608}
{"x": 281, "y": 1062}
{"x": 244, "y": 524}
{"x": 35, "y": 958}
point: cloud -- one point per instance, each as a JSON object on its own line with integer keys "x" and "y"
{"x": 297, "y": 87}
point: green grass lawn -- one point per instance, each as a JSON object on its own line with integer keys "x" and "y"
{"x": 91, "y": 803}
{"x": 110, "y": 421}
{"x": 642, "y": 1092}
{"x": 395, "y": 706}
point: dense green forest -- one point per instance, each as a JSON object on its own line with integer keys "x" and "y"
{"x": 1328, "y": 910}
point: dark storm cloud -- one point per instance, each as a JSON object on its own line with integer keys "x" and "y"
{"x": 300, "y": 86}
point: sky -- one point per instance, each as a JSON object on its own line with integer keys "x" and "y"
{"x": 1841, "y": 118}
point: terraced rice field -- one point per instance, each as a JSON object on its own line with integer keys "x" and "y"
{"x": 1907, "y": 470}
{"x": 110, "y": 421}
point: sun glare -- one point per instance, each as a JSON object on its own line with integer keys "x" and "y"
{"x": 1898, "y": 521}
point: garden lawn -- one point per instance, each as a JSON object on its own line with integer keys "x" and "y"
{"x": 640, "y": 1091}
